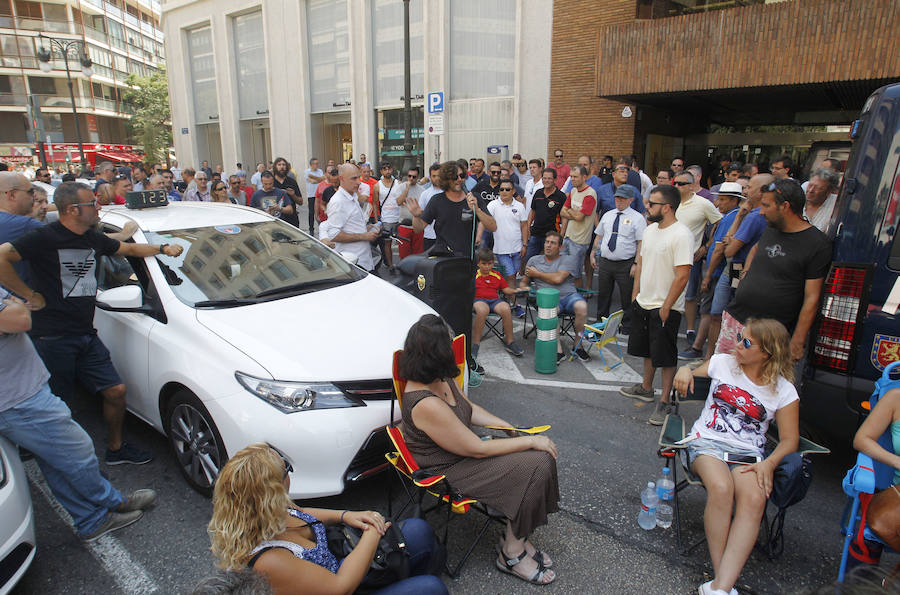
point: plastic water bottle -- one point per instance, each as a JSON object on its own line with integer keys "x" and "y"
{"x": 649, "y": 501}
{"x": 665, "y": 490}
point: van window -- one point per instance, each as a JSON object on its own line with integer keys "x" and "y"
{"x": 889, "y": 225}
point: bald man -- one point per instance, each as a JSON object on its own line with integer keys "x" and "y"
{"x": 347, "y": 226}
{"x": 16, "y": 206}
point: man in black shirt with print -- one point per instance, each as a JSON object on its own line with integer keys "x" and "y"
{"x": 783, "y": 273}
{"x": 543, "y": 215}
{"x": 285, "y": 182}
{"x": 63, "y": 260}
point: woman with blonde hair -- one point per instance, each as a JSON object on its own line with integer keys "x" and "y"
{"x": 255, "y": 524}
{"x": 749, "y": 388}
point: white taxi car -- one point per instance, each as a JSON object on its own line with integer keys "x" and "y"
{"x": 255, "y": 333}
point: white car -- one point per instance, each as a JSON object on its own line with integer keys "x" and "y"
{"x": 17, "y": 540}
{"x": 256, "y": 333}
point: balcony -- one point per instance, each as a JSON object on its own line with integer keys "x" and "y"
{"x": 39, "y": 25}
{"x": 63, "y": 101}
{"x": 95, "y": 34}
{"x": 659, "y": 9}
{"x": 13, "y": 99}
{"x": 132, "y": 20}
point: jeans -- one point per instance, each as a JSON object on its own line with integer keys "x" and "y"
{"x": 43, "y": 424}
{"x": 420, "y": 543}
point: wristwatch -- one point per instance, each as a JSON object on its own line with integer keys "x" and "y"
{"x": 162, "y": 248}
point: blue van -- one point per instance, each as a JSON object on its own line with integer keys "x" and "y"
{"x": 857, "y": 332}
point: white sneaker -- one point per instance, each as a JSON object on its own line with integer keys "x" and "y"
{"x": 706, "y": 589}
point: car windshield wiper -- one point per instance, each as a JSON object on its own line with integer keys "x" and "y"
{"x": 226, "y": 303}
{"x": 301, "y": 286}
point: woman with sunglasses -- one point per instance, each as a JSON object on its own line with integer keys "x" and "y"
{"x": 255, "y": 524}
{"x": 219, "y": 192}
{"x": 749, "y": 388}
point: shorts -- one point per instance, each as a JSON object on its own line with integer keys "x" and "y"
{"x": 716, "y": 449}
{"x": 77, "y": 358}
{"x": 491, "y": 303}
{"x": 578, "y": 251}
{"x": 722, "y": 295}
{"x": 727, "y": 342}
{"x": 651, "y": 338}
{"x": 510, "y": 263}
{"x": 390, "y": 227}
{"x": 567, "y": 304}
{"x": 694, "y": 281}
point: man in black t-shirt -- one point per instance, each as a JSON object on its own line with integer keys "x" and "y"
{"x": 544, "y": 210}
{"x": 486, "y": 191}
{"x": 285, "y": 182}
{"x": 783, "y": 273}
{"x": 63, "y": 260}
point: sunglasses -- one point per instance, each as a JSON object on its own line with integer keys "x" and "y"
{"x": 746, "y": 343}
{"x": 558, "y": 155}
{"x": 677, "y": 183}
{"x": 463, "y": 176}
{"x": 412, "y": 176}
{"x": 506, "y": 189}
{"x": 93, "y": 203}
{"x": 494, "y": 172}
{"x": 677, "y": 165}
{"x": 651, "y": 203}
{"x": 772, "y": 188}
{"x": 288, "y": 468}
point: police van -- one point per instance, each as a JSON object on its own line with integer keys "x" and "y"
{"x": 857, "y": 332}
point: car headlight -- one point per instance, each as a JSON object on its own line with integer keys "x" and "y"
{"x": 291, "y": 397}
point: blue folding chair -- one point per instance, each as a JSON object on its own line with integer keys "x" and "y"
{"x": 865, "y": 478}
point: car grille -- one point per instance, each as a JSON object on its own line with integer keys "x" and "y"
{"x": 11, "y": 563}
{"x": 370, "y": 458}
{"x": 368, "y": 390}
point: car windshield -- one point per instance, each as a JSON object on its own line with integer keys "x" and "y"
{"x": 233, "y": 265}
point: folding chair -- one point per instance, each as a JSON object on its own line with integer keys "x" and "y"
{"x": 566, "y": 320}
{"x": 403, "y": 461}
{"x": 673, "y": 432}
{"x": 862, "y": 481}
{"x": 601, "y": 334}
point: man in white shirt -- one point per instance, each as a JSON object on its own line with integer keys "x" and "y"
{"x": 511, "y": 236}
{"x": 256, "y": 178}
{"x": 346, "y": 221}
{"x": 661, "y": 275}
{"x": 534, "y": 181}
{"x": 616, "y": 245}
{"x": 313, "y": 176}
{"x": 821, "y": 196}
{"x": 434, "y": 175}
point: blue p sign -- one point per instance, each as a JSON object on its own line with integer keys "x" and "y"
{"x": 436, "y": 102}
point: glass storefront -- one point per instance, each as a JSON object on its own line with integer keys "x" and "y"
{"x": 390, "y": 137}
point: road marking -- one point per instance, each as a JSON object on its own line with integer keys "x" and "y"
{"x": 128, "y": 573}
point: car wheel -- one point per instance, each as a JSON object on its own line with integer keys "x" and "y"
{"x": 195, "y": 442}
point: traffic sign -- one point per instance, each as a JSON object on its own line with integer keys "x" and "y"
{"x": 435, "y": 123}
{"x": 436, "y": 102}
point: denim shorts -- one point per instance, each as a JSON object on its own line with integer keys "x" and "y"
{"x": 722, "y": 294}
{"x": 694, "y": 280}
{"x": 491, "y": 303}
{"x": 567, "y": 304}
{"x": 77, "y": 358}
{"x": 716, "y": 449}
{"x": 510, "y": 263}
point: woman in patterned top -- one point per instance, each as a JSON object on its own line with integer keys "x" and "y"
{"x": 255, "y": 524}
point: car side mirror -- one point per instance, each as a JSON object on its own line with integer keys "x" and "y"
{"x": 127, "y": 298}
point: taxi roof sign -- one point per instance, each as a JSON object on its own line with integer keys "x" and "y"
{"x": 146, "y": 199}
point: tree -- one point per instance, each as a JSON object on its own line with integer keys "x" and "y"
{"x": 149, "y": 96}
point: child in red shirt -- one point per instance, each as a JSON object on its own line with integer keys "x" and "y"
{"x": 488, "y": 284}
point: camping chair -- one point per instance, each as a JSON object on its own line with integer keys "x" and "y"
{"x": 672, "y": 446}
{"x": 438, "y": 486}
{"x": 601, "y": 334}
{"x": 862, "y": 481}
{"x": 566, "y": 320}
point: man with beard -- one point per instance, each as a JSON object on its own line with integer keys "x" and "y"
{"x": 661, "y": 275}
{"x": 287, "y": 183}
{"x": 783, "y": 273}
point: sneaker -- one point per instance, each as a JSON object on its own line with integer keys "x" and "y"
{"x": 561, "y": 357}
{"x": 475, "y": 347}
{"x": 582, "y": 355}
{"x": 691, "y": 336}
{"x": 115, "y": 521}
{"x": 128, "y": 454}
{"x": 659, "y": 414}
{"x": 637, "y": 391}
{"x": 706, "y": 589}
{"x": 477, "y": 368}
{"x": 519, "y": 312}
{"x": 515, "y": 349}
{"x": 691, "y": 354}
{"x": 138, "y": 500}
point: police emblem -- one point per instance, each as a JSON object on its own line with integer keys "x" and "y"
{"x": 885, "y": 350}
{"x": 420, "y": 282}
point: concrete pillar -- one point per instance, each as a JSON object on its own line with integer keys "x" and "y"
{"x": 181, "y": 105}
{"x": 531, "y": 102}
{"x": 362, "y": 92}
{"x": 226, "y": 89}
{"x": 437, "y": 71}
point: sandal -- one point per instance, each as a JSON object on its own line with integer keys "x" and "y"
{"x": 539, "y": 555}
{"x": 507, "y": 565}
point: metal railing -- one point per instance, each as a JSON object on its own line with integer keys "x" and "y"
{"x": 660, "y": 9}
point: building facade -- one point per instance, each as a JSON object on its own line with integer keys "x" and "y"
{"x": 748, "y": 78}
{"x": 324, "y": 78}
{"x": 119, "y": 37}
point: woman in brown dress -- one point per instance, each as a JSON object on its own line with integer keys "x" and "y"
{"x": 515, "y": 475}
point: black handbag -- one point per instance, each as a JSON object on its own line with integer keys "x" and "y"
{"x": 391, "y": 561}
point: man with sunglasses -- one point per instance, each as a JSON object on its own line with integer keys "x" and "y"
{"x": 621, "y": 175}
{"x": 488, "y": 190}
{"x": 235, "y": 193}
{"x": 562, "y": 168}
{"x": 16, "y": 205}
{"x": 511, "y": 237}
{"x": 63, "y": 258}
{"x": 412, "y": 190}
{"x": 784, "y": 272}
{"x": 521, "y": 170}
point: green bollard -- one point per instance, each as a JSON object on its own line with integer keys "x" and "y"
{"x": 547, "y": 333}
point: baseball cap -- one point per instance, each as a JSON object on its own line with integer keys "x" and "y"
{"x": 730, "y": 189}
{"x": 626, "y": 191}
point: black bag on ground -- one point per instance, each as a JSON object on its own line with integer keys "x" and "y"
{"x": 391, "y": 561}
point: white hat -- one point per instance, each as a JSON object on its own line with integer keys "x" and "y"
{"x": 731, "y": 189}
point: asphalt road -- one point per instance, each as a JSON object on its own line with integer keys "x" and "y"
{"x": 607, "y": 454}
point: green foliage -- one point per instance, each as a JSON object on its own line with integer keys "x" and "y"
{"x": 150, "y": 124}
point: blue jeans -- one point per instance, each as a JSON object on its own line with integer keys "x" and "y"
{"x": 535, "y": 247}
{"x": 420, "y": 543}
{"x": 43, "y": 424}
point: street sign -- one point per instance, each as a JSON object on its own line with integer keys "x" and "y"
{"x": 435, "y": 123}
{"x": 184, "y": 131}
{"x": 436, "y": 102}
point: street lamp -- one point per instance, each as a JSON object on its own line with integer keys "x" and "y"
{"x": 63, "y": 47}
{"x": 407, "y": 94}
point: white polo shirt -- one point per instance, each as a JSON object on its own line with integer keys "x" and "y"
{"x": 509, "y": 218}
{"x": 631, "y": 231}
{"x": 345, "y": 215}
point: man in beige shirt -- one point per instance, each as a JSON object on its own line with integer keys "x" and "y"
{"x": 579, "y": 219}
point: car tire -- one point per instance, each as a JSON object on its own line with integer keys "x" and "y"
{"x": 195, "y": 442}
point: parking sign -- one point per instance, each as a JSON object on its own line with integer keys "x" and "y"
{"x": 436, "y": 102}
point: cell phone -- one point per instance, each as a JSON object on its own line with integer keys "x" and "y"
{"x": 741, "y": 459}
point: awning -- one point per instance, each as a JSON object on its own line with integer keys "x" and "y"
{"x": 120, "y": 157}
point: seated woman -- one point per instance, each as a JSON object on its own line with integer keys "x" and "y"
{"x": 748, "y": 389}
{"x": 883, "y": 516}
{"x": 255, "y": 524}
{"x": 516, "y": 476}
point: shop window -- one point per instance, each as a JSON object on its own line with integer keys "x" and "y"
{"x": 42, "y": 85}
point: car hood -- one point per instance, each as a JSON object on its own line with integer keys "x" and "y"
{"x": 343, "y": 333}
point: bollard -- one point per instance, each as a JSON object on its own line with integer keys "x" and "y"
{"x": 547, "y": 323}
